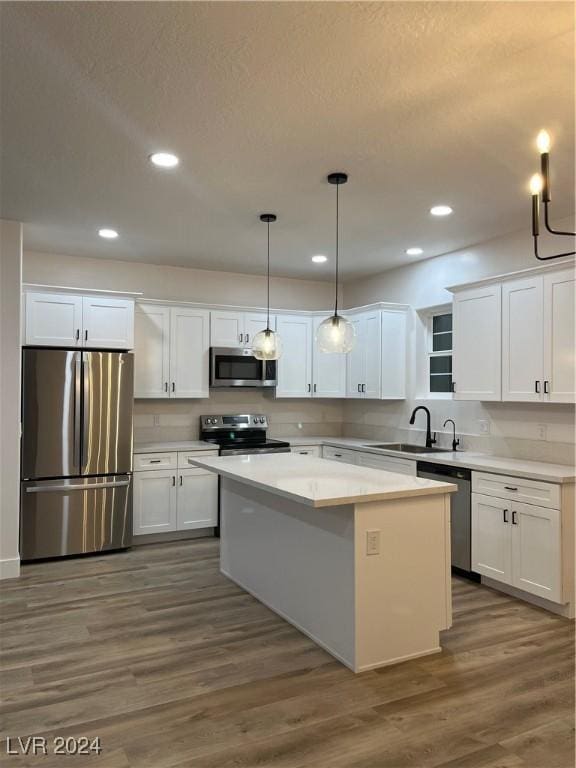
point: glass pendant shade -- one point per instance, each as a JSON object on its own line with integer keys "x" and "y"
{"x": 335, "y": 334}
{"x": 267, "y": 345}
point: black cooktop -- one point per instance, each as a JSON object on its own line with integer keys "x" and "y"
{"x": 241, "y": 442}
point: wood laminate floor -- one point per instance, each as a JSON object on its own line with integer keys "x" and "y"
{"x": 172, "y": 665}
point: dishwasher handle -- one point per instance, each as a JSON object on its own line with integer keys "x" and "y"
{"x": 458, "y": 473}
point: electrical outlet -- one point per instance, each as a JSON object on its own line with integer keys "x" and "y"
{"x": 484, "y": 426}
{"x": 542, "y": 431}
{"x": 156, "y": 420}
{"x": 372, "y": 542}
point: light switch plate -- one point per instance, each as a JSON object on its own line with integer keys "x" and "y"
{"x": 373, "y": 542}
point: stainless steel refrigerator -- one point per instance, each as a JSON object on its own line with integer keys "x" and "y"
{"x": 76, "y": 493}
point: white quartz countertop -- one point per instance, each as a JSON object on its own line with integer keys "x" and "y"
{"x": 483, "y": 462}
{"x": 182, "y": 445}
{"x": 318, "y": 482}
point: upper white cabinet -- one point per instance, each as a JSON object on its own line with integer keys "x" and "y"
{"x": 523, "y": 339}
{"x": 514, "y": 340}
{"x": 328, "y": 370}
{"x": 476, "y": 355}
{"x": 236, "y": 329}
{"x": 68, "y": 320}
{"x": 364, "y": 374}
{"x": 394, "y": 354}
{"x": 295, "y": 365}
{"x": 559, "y": 337}
{"x": 171, "y": 351}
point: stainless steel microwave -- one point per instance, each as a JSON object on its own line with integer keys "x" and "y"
{"x": 232, "y": 367}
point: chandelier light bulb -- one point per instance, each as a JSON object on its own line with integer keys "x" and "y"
{"x": 543, "y": 142}
{"x": 536, "y": 184}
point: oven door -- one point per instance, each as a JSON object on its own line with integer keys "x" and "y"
{"x": 230, "y": 367}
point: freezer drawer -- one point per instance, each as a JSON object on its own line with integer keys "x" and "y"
{"x": 75, "y": 516}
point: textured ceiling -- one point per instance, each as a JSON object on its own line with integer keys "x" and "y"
{"x": 420, "y": 103}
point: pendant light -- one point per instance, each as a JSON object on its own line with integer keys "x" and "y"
{"x": 336, "y": 334}
{"x": 267, "y": 345}
{"x": 540, "y": 186}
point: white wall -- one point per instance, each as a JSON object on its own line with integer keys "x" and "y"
{"x": 515, "y": 429}
{"x": 10, "y": 286}
{"x": 176, "y": 283}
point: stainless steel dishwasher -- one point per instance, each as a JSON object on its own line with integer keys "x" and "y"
{"x": 460, "y": 515}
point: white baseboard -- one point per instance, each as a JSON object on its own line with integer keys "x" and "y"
{"x": 561, "y": 609}
{"x": 10, "y": 569}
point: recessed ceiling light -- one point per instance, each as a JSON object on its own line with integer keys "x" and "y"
{"x": 441, "y": 210}
{"x": 164, "y": 159}
{"x": 319, "y": 259}
{"x": 414, "y": 251}
{"x": 108, "y": 234}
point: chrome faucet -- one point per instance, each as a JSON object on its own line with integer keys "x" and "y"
{"x": 429, "y": 439}
{"x": 455, "y": 443}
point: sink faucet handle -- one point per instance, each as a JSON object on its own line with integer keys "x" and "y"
{"x": 433, "y": 437}
{"x": 455, "y": 444}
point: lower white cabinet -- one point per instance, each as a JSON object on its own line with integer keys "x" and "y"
{"x": 307, "y": 450}
{"x": 387, "y": 463}
{"x": 339, "y": 454}
{"x": 154, "y": 501}
{"x": 518, "y": 544}
{"x": 174, "y": 498}
{"x": 197, "y": 499}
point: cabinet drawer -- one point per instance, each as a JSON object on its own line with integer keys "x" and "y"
{"x": 184, "y": 456}
{"x": 388, "y": 463}
{"x": 145, "y": 461}
{"x": 339, "y": 454}
{"x": 307, "y": 450}
{"x": 517, "y": 489}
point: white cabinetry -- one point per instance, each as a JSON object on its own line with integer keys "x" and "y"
{"x": 295, "y": 365}
{"x": 477, "y": 343}
{"x": 307, "y": 450}
{"x": 559, "y": 337}
{"x": 387, "y": 463}
{"x": 328, "y": 370}
{"x": 171, "y": 351}
{"x": 364, "y": 368}
{"x": 170, "y": 495}
{"x": 68, "y": 320}
{"x": 236, "y": 329}
{"x": 339, "y": 454}
{"x": 516, "y": 543}
{"x": 523, "y": 339}
{"x": 154, "y": 501}
{"x": 393, "y": 355}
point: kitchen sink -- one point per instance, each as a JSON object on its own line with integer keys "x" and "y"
{"x": 408, "y": 448}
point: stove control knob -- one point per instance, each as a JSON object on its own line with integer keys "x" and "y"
{"x": 262, "y": 420}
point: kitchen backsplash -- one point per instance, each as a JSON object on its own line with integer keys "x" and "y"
{"x": 179, "y": 419}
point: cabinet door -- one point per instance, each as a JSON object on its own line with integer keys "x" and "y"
{"x": 189, "y": 352}
{"x": 523, "y": 339}
{"x": 53, "y": 319}
{"x": 197, "y": 504}
{"x": 387, "y": 463}
{"x": 151, "y": 350}
{"x": 536, "y": 553}
{"x": 295, "y": 365}
{"x": 393, "y": 355}
{"x": 328, "y": 370}
{"x": 477, "y": 343}
{"x": 372, "y": 350}
{"x": 254, "y": 322}
{"x": 108, "y": 323}
{"x": 559, "y": 337}
{"x": 154, "y": 501}
{"x": 226, "y": 329}
{"x": 355, "y": 360}
{"x": 491, "y": 538}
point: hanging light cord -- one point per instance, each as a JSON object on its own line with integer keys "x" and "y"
{"x": 268, "y": 282}
{"x": 337, "y": 229}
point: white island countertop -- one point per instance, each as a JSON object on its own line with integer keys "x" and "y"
{"x": 318, "y": 482}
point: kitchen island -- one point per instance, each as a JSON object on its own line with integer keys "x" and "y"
{"x": 356, "y": 558}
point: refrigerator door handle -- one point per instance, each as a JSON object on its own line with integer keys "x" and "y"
{"x": 86, "y": 411}
{"x": 77, "y": 407}
{"x": 94, "y": 487}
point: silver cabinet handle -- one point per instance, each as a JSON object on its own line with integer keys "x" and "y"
{"x": 94, "y": 487}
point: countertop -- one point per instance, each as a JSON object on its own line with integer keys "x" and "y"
{"x": 483, "y": 462}
{"x": 182, "y": 445}
{"x": 317, "y": 482}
